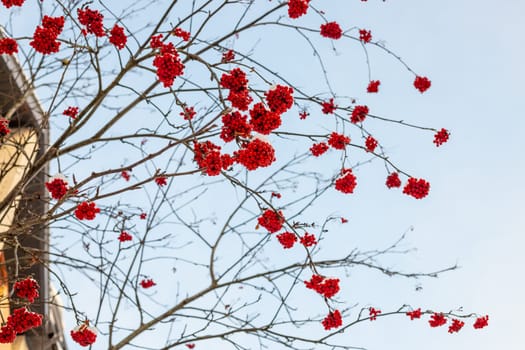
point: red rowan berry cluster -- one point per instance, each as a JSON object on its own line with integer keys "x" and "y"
{"x": 124, "y": 237}
{"x": 228, "y": 56}
{"x": 327, "y": 287}
{"x": 86, "y": 211}
{"x": 279, "y": 98}
{"x": 209, "y": 158}
{"x": 297, "y": 8}
{"x": 161, "y": 181}
{"x": 234, "y": 124}
{"x": 21, "y": 320}
{"x": 287, "y": 239}
{"x": 167, "y": 61}
{"x": 347, "y": 182}
{"x": 328, "y": 106}
{"x": 414, "y": 314}
{"x": 338, "y": 141}
{"x": 125, "y": 175}
{"x": 373, "y": 312}
{"x": 71, "y": 112}
{"x": 7, "y": 334}
{"x": 92, "y": 20}
{"x": 441, "y": 137}
{"x": 255, "y": 154}
{"x": 45, "y": 36}
{"x": 455, "y": 326}
{"x": 188, "y": 113}
{"x": 331, "y": 30}
{"x": 237, "y": 83}
{"x": 156, "y": 41}
{"x": 318, "y": 149}
{"x": 437, "y": 320}
{"x": 271, "y": 220}
{"x": 370, "y": 143}
{"x": 27, "y": 289}
{"x": 262, "y": 120}
{"x": 332, "y": 320}
{"x": 117, "y": 37}
{"x": 9, "y": 3}
{"x": 481, "y": 322}
{"x": 4, "y": 127}
{"x": 417, "y": 188}
{"x": 308, "y": 240}
{"x": 365, "y": 35}
{"x": 373, "y": 86}
{"x": 147, "y": 283}
{"x": 393, "y": 180}
{"x": 359, "y": 114}
{"x": 84, "y": 335}
{"x": 57, "y": 187}
{"x": 8, "y": 46}
{"x": 181, "y": 33}
{"x": 422, "y": 83}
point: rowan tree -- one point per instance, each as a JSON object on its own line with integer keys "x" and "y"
{"x": 185, "y": 170}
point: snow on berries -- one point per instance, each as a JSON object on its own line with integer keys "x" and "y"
{"x": 27, "y": 289}
{"x": 57, "y": 187}
{"x": 346, "y": 183}
{"x": 84, "y": 335}
{"x": 279, "y": 98}
{"x": 86, "y": 211}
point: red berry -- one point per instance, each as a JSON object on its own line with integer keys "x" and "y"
{"x": 332, "y": 320}
{"x": 422, "y": 83}
{"x": 331, "y": 30}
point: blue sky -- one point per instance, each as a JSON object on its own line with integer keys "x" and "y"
{"x": 473, "y": 51}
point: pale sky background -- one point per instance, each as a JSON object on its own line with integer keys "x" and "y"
{"x": 474, "y": 53}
